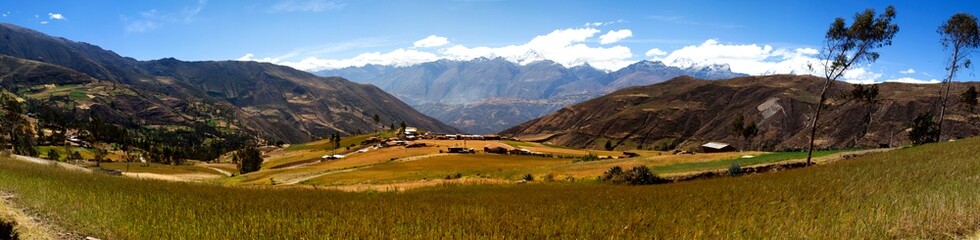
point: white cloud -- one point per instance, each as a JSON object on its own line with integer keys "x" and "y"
{"x": 564, "y": 46}
{"x": 751, "y": 59}
{"x": 431, "y": 41}
{"x": 907, "y": 71}
{"x": 399, "y": 57}
{"x": 153, "y": 19}
{"x": 655, "y": 52}
{"x": 249, "y": 57}
{"x": 306, "y": 6}
{"x": 5, "y": 14}
{"x": 860, "y": 74}
{"x": 55, "y": 16}
{"x": 615, "y": 36}
{"x": 44, "y": 22}
{"x": 600, "y": 24}
{"x": 913, "y": 80}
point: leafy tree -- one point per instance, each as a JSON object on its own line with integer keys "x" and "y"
{"x": 749, "y": 132}
{"x": 609, "y": 145}
{"x": 868, "y": 95}
{"x": 738, "y": 124}
{"x": 847, "y": 46}
{"x": 75, "y": 156}
{"x": 969, "y": 97}
{"x": 924, "y": 130}
{"x": 960, "y": 36}
{"x": 249, "y": 160}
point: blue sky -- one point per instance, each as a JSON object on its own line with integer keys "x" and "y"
{"x": 752, "y": 37}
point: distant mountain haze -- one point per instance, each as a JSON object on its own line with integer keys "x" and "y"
{"x": 488, "y": 95}
{"x": 274, "y": 102}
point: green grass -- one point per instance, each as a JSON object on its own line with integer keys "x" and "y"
{"x": 513, "y": 143}
{"x": 77, "y": 95}
{"x": 344, "y": 142}
{"x": 931, "y": 191}
{"x": 724, "y": 164}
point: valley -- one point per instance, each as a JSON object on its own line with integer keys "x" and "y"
{"x": 309, "y": 119}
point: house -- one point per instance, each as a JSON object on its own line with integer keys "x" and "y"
{"x": 460, "y": 150}
{"x": 335, "y": 156}
{"x": 629, "y": 155}
{"x": 415, "y": 144}
{"x": 717, "y": 147}
{"x": 498, "y": 148}
{"x": 411, "y": 131}
{"x": 371, "y": 140}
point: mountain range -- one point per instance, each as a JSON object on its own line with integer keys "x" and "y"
{"x": 264, "y": 100}
{"x": 685, "y": 112}
{"x": 487, "y": 95}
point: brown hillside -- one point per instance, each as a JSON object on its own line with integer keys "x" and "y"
{"x": 686, "y": 112}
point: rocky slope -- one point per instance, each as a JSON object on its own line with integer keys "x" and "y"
{"x": 488, "y": 95}
{"x": 686, "y": 112}
{"x": 274, "y": 102}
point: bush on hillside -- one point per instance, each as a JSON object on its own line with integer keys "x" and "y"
{"x": 639, "y": 175}
{"x": 528, "y": 177}
{"x": 735, "y": 169}
{"x": 249, "y": 160}
{"x": 924, "y": 130}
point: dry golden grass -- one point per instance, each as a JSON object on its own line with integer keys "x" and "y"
{"x": 489, "y": 166}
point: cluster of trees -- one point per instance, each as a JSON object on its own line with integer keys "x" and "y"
{"x": 857, "y": 43}
{"x": 745, "y": 131}
{"x": 248, "y": 159}
{"x": 105, "y": 131}
{"x": 16, "y": 132}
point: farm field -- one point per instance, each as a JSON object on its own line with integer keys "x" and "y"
{"x": 921, "y": 192}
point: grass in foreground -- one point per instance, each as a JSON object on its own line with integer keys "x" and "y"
{"x": 931, "y": 191}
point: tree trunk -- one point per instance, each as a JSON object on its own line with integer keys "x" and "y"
{"x": 948, "y": 82}
{"x": 813, "y": 126}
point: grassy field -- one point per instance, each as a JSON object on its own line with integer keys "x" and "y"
{"x": 723, "y": 164}
{"x": 931, "y": 191}
{"x": 470, "y": 165}
{"x": 157, "y": 168}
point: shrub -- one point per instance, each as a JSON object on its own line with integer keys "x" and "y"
{"x": 7, "y": 230}
{"x": 588, "y": 158}
{"x": 249, "y": 160}
{"x": 454, "y": 176}
{"x": 550, "y": 177}
{"x": 735, "y": 169}
{"x": 53, "y": 155}
{"x": 528, "y": 177}
{"x": 639, "y": 175}
{"x": 924, "y": 130}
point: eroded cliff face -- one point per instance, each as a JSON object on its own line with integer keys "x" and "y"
{"x": 686, "y": 112}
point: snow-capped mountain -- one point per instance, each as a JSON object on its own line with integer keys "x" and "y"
{"x": 486, "y": 95}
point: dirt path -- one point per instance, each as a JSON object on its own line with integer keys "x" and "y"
{"x": 26, "y": 226}
{"x": 316, "y": 175}
{"x": 190, "y": 177}
{"x": 222, "y": 171}
{"x": 49, "y": 162}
